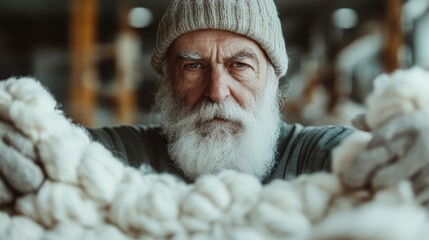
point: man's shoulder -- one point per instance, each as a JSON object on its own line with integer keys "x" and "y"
{"x": 127, "y": 131}
{"x": 297, "y": 130}
{"x": 133, "y": 144}
{"x": 136, "y": 127}
{"x": 304, "y": 149}
{"x": 311, "y": 138}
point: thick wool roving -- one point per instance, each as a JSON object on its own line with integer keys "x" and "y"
{"x": 88, "y": 194}
{"x": 396, "y": 94}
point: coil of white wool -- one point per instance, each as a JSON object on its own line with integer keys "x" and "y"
{"x": 316, "y": 192}
{"x": 348, "y": 149}
{"x": 28, "y": 91}
{"x": 400, "y": 194}
{"x": 61, "y": 162}
{"x": 246, "y": 233}
{"x": 7, "y": 195}
{"x": 245, "y": 191}
{"x": 73, "y": 231}
{"x": 19, "y": 228}
{"x": 275, "y": 222}
{"x": 345, "y": 206}
{"x": 147, "y": 205}
{"x": 373, "y": 221}
{"x": 228, "y": 193}
{"x": 98, "y": 191}
{"x": 205, "y": 207}
{"x": 30, "y": 107}
{"x": 280, "y": 212}
{"x": 396, "y": 94}
{"x": 16, "y": 139}
{"x": 59, "y": 202}
{"x": 368, "y": 217}
{"x": 99, "y": 173}
{"x": 4, "y": 223}
{"x": 207, "y": 200}
{"x": 240, "y": 190}
{"x": 348, "y": 201}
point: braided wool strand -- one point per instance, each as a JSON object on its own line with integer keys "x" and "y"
{"x": 88, "y": 194}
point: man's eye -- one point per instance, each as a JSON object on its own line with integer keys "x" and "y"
{"x": 239, "y": 65}
{"x": 192, "y": 66}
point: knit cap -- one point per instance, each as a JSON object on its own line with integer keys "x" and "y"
{"x": 255, "y": 19}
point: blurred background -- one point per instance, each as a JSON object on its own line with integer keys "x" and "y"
{"x": 94, "y": 55}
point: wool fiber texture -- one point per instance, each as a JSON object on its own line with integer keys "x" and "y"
{"x": 399, "y": 93}
{"x": 88, "y": 194}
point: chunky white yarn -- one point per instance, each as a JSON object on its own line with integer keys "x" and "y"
{"x": 99, "y": 173}
{"x": 31, "y": 108}
{"x": 396, "y": 94}
{"x": 58, "y": 202}
{"x": 147, "y": 205}
{"x": 350, "y": 147}
{"x": 69, "y": 147}
{"x": 73, "y": 231}
{"x": 373, "y": 222}
{"x": 19, "y": 228}
{"x": 88, "y": 194}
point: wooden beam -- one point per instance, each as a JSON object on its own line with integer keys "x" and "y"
{"x": 393, "y": 35}
{"x": 83, "y": 19}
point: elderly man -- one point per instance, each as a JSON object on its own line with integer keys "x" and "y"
{"x": 220, "y": 62}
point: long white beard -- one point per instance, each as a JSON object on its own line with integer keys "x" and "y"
{"x": 199, "y": 145}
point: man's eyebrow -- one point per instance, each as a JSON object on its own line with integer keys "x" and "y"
{"x": 189, "y": 55}
{"x": 245, "y": 53}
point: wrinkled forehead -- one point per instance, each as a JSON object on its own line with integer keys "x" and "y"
{"x": 205, "y": 43}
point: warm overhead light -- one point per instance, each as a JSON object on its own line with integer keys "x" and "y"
{"x": 140, "y": 17}
{"x": 345, "y": 18}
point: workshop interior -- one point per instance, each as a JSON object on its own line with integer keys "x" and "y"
{"x": 94, "y": 55}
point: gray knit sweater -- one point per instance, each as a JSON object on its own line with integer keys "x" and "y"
{"x": 299, "y": 149}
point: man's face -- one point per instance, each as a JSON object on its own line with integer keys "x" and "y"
{"x": 220, "y": 104}
{"x": 215, "y": 64}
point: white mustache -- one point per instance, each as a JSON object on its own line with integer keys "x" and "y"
{"x": 227, "y": 110}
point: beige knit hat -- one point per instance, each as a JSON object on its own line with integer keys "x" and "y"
{"x": 255, "y": 19}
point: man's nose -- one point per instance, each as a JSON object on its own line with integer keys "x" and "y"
{"x": 217, "y": 88}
